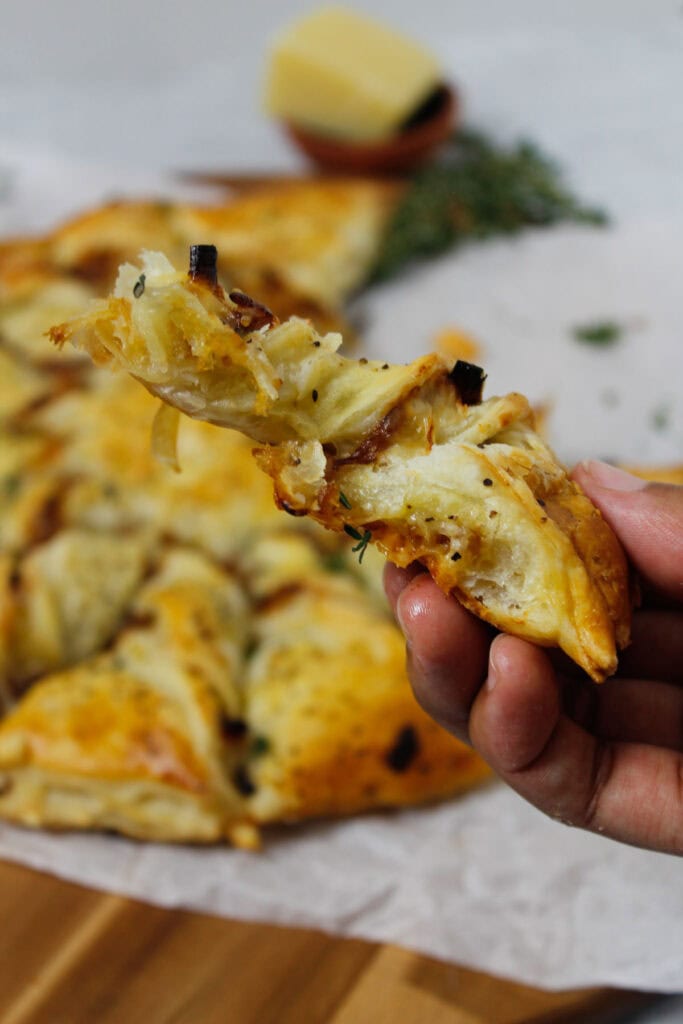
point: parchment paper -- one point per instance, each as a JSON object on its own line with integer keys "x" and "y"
{"x": 485, "y": 881}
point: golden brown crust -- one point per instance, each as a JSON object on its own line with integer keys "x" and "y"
{"x": 350, "y": 737}
{"x": 136, "y": 602}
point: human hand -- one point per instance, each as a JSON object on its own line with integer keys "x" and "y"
{"x": 607, "y": 758}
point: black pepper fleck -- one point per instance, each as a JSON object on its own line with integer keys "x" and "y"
{"x": 314, "y": 395}
{"x": 488, "y": 482}
{"x": 456, "y": 557}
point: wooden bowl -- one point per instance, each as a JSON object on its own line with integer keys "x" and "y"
{"x": 431, "y": 126}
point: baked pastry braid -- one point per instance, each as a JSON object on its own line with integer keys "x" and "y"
{"x": 407, "y": 457}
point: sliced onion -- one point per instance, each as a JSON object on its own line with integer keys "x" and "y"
{"x": 165, "y": 436}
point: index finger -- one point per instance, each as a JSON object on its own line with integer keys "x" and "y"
{"x": 447, "y": 648}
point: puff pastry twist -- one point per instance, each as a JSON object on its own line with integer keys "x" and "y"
{"x": 406, "y": 457}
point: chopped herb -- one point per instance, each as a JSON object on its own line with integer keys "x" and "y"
{"x": 335, "y": 561}
{"x": 314, "y": 395}
{"x": 362, "y": 538}
{"x": 250, "y": 648}
{"x": 11, "y": 485}
{"x": 343, "y": 500}
{"x": 487, "y": 482}
{"x": 475, "y": 190}
{"x": 139, "y": 286}
{"x": 601, "y": 333}
{"x": 259, "y": 746}
{"x": 660, "y": 418}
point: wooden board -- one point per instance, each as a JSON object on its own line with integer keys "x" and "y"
{"x": 69, "y": 955}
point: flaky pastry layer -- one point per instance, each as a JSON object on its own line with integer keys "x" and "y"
{"x": 406, "y": 457}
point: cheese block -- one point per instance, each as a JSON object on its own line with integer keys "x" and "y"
{"x": 339, "y": 73}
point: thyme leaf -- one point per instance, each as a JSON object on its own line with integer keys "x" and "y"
{"x": 362, "y": 538}
{"x": 362, "y": 544}
{"x": 601, "y": 333}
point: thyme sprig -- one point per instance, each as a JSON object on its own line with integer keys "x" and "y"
{"x": 476, "y": 189}
{"x": 362, "y": 538}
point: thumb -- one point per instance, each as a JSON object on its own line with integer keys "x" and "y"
{"x": 646, "y": 517}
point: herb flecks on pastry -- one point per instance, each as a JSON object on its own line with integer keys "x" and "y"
{"x": 405, "y": 457}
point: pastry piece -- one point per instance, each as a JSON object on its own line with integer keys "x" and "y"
{"x": 64, "y": 600}
{"x": 140, "y": 739}
{"x": 301, "y": 246}
{"x": 407, "y": 457}
{"x": 334, "y": 727}
{"x": 30, "y": 488}
{"x": 36, "y": 301}
{"x": 113, "y": 482}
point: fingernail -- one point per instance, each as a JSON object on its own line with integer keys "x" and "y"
{"x": 611, "y": 477}
{"x": 403, "y": 621}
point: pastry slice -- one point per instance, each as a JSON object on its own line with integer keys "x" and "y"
{"x": 334, "y": 727}
{"x": 144, "y": 738}
{"x": 64, "y": 599}
{"x": 406, "y": 457}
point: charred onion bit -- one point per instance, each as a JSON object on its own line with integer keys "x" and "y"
{"x": 204, "y": 264}
{"x": 405, "y": 749}
{"x": 469, "y": 382}
{"x": 250, "y": 315}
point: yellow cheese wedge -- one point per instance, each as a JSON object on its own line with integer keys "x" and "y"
{"x": 339, "y": 73}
